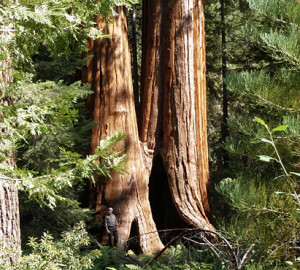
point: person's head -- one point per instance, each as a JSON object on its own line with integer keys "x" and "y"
{"x": 110, "y": 210}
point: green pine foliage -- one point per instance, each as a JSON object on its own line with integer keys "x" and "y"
{"x": 61, "y": 26}
{"x": 43, "y": 129}
{"x": 264, "y": 207}
{"x": 258, "y": 207}
{"x": 240, "y": 55}
{"x": 271, "y": 90}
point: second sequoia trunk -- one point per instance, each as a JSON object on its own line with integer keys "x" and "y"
{"x": 173, "y": 122}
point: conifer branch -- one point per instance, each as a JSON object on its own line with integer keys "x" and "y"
{"x": 276, "y": 105}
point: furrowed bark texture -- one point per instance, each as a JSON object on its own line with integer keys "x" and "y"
{"x": 9, "y": 215}
{"x": 173, "y": 121}
{"x": 114, "y": 110}
{"x": 10, "y": 232}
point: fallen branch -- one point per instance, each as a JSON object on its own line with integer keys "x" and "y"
{"x": 131, "y": 260}
{"x": 232, "y": 252}
{"x": 245, "y": 257}
{"x": 178, "y": 237}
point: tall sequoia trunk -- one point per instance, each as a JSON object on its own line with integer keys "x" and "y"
{"x": 114, "y": 110}
{"x": 10, "y": 231}
{"x": 173, "y": 122}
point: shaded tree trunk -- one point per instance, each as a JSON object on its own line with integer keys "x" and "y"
{"x": 173, "y": 122}
{"x": 87, "y": 75}
{"x": 10, "y": 232}
{"x": 135, "y": 59}
{"x": 224, "y": 128}
{"x": 113, "y": 110}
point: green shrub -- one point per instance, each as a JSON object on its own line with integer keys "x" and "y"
{"x": 55, "y": 255}
{"x": 264, "y": 209}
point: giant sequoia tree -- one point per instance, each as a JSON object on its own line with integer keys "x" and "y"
{"x": 113, "y": 110}
{"x": 173, "y": 115}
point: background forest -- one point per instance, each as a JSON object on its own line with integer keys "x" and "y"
{"x": 48, "y": 151}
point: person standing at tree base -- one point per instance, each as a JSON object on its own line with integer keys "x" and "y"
{"x": 111, "y": 226}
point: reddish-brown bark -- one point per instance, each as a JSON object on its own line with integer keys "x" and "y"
{"x": 173, "y": 121}
{"x": 114, "y": 110}
{"x": 173, "y": 114}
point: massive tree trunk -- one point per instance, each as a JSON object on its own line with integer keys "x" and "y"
{"x": 114, "y": 110}
{"x": 173, "y": 121}
{"x": 173, "y": 115}
{"x": 9, "y": 200}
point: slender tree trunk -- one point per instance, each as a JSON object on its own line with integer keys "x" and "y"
{"x": 173, "y": 122}
{"x": 113, "y": 110}
{"x": 10, "y": 232}
{"x": 224, "y": 128}
{"x": 87, "y": 73}
{"x": 135, "y": 59}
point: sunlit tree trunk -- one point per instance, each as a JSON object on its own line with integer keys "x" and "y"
{"x": 114, "y": 110}
{"x": 173, "y": 122}
{"x": 9, "y": 215}
{"x": 10, "y": 232}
